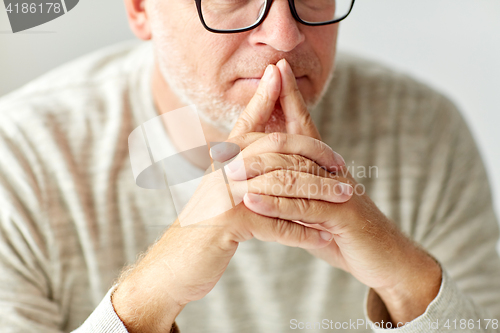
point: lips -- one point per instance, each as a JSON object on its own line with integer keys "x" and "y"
{"x": 257, "y": 79}
{"x": 258, "y": 76}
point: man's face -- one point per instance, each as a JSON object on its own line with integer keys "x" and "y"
{"x": 219, "y": 73}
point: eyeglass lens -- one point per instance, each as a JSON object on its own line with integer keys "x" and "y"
{"x": 240, "y": 14}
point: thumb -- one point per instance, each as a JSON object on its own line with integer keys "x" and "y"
{"x": 297, "y": 117}
{"x": 260, "y": 107}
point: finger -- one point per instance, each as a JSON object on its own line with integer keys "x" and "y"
{"x": 297, "y": 117}
{"x": 293, "y": 184}
{"x": 308, "y": 147}
{"x": 278, "y": 230}
{"x": 223, "y": 151}
{"x": 260, "y": 107}
{"x": 257, "y": 165}
{"x": 304, "y": 210}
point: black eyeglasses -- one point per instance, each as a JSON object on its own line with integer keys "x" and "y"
{"x": 232, "y": 16}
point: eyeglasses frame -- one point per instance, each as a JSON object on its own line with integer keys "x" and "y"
{"x": 293, "y": 10}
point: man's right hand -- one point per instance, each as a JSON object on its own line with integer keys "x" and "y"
{"x": 187, "y": 262}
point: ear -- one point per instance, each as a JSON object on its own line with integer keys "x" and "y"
{"x": 138, "y": 19}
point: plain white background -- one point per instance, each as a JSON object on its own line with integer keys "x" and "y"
{"x": 454, "y": 45}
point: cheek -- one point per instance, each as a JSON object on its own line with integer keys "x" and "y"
{"x": 213, "y": 54}
{"x": 205, "y": 53}
{"x": 323, "y": 41}
{"x": 177, "y": 26}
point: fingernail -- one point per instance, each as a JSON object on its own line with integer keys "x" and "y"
{"x": 326, "y": 235}
{"x": 285, "y": 67}
{"x": 267, "y": 74}
{"x": 234, "y": 165}
{"x": 236, "y": 170}
{"x": 253, "y": 198}
{"x": 223, "y": 151}
{"x": 346, "y": 189}
{"x": 281, "y": 64}
{"x": 215, "y": 150}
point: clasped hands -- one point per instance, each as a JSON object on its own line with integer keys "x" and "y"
{"x": 294, "y": 177}
{"x": 275, "y": 178}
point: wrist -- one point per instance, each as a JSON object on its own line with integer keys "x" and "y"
{"x": 144, "y": 309}
{"x": 417, "y": 288}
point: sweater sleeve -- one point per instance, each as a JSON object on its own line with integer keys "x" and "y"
{"x": 28, "y": 275}
{"x": 27, "y": 299}
{"x": 105, "y": 320}
{"x": 454, "y": 220}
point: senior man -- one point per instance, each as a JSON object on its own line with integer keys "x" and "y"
{"x": 72, "y": 216}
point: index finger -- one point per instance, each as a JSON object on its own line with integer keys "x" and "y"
{"x": 303, "y": 145}
{"x": 297, "y": 117}
{"x": 260, "y": 107}
{"x": 223, "y": 151}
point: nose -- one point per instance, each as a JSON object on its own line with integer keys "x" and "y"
{"x": 279, "y": 30}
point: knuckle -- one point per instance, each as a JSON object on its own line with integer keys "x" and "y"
{"x": 267, "y": 163}
{"x": 303, "y": 206}
{"x": 286, "y": 178}
{"x": 278, "y": 140}
{"x": 245, "y": 137}
{"x": 306, "y": 119}
{"x": 300, "y": 163}
{"x": 280, "y": 227}
{"x": 302, "y": 234}
{"x": 290, "y": 233}
{"x": 278, "y": 203}
{"x": 321, "y": 211}
{"x": 253, "y": 163}
{"x": 261, "y": 95}
{"x": 283, "y": 159}
{"x": 257, "y": 163}
{"x": 322, "y": 149}
{"x": 319, "y": 145}
{"x": 244, "y": 123}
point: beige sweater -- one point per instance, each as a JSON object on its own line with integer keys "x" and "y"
{"x": 71, "y": 215}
